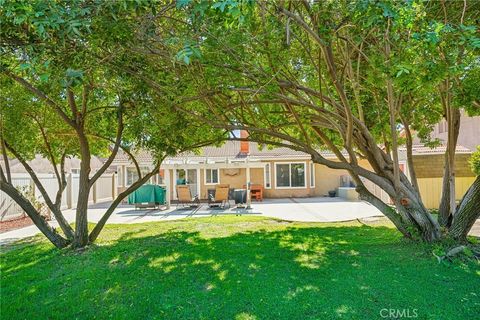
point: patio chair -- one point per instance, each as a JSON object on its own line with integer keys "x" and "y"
{"x": 185, "y": 198}
{"x": 221, "y": 198}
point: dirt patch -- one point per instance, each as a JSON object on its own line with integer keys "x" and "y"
{"x": 15, "y": 224}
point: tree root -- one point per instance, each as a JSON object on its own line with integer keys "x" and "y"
{"x": 450, "y": 254}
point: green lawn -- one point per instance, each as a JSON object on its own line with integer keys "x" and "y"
{"x": 236, "y": 268}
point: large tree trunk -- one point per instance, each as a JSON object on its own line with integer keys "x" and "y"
{"x": 81, "y": 222}
{"x": 37, "y": 219}
{"x": 388, "y": 211}
{"x": 81, "y": 219}
{"x": 447, "y": 202}
{"x": 101, "y": 223}
{"x": 421, "y": 219}
{"x": 467, "y": 213}
{"x": 411, "y": 168}
{"x": 6, "y": 161}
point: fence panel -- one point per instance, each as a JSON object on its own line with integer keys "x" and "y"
{"x": 75, "y": 188}
{"x": 103, "y": 188}
{"x": 9, "y": 209}
{"x": 104, "y": 191}
{"x": 431, "y": 189}
{"x": 376, "y": 191}
{"x": 50, "y": 183}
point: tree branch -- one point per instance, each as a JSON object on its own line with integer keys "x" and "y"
{"x": 42, "y": 96}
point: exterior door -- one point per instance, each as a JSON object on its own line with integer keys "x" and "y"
{"x": 190, "y": 177}
{"x": 192, "y": 180}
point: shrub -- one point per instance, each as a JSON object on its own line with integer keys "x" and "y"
{"x": 475, "y": 162}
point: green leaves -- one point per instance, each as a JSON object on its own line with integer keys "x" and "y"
{"x": 474, "y": 162}
{"x": 182, "y": 3}
{"x": 402, "y": 69}
{"x": 224, "y": 3}
{"x": 73, "y": 78}
{"x": 188, "y": 52}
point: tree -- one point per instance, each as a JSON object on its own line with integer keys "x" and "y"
{"x": 331, "y": 75}
{"x": 68, "y": 90}
{"x": 468, "y": 211}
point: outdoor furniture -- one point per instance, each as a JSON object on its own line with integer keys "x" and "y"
{"x": 185, "y": 198}
{"x": 220, "y": 199}
{"x": 147, "y": 196}
{"x": 256, "y": 192}
{"x": 240, "y": 196}
{"x": 211, "y": 193}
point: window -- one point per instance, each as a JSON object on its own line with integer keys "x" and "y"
{"x": 211, "y": 176}
{"x": 267, "y": 176}
{"x": 132, "y": 175}
{"x": 312, "y": 175}
{"x": 290, "y": 175}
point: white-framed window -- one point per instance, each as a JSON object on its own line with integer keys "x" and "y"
{"x": 212, "y": 176}
{"x": 312, "y": 175}
{"x": 290, "y": 175}
{"x": 267, "y": 176}
{"x": 132, "y": 174}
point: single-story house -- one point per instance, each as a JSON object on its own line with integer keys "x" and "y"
{"x": 282, "y": 172}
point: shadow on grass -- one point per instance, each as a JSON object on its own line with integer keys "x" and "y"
{"x": 284, "y": 273}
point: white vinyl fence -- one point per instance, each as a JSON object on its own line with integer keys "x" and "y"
{"x": 103, "y": 190}
{"x": 377, "y": 191}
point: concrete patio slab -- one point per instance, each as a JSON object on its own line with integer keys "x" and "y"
{"x": 292, "y": 209}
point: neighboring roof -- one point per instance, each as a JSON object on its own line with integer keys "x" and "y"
{"x": 230, "y": 151}
{"x": 40, "y": 164}
{"x": 420, "y": 149}
{"x": 141, "y": 156}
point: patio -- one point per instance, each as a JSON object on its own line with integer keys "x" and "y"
{"x": 314, "y": 209}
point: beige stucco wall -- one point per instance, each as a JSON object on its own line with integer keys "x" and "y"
{"x": 234, "y": 180}
{"x": 257, "y": 176}
{"x": 326, "y": 179}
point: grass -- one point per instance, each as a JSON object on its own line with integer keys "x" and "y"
{"x": 236, "y": 268}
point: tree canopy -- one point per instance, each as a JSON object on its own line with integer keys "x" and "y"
{"x": 71, "y": 89}
{"x": 358, "y": 78}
